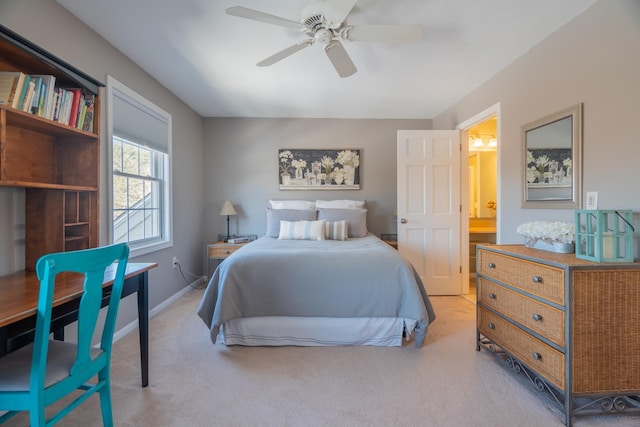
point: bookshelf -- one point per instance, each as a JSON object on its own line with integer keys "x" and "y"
{"x": 57, "y": 164}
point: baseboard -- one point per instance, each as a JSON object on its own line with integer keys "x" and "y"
{"x": 122, "y": 332}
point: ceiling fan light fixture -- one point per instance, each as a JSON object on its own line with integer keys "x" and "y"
{"x": 323, "y": 36}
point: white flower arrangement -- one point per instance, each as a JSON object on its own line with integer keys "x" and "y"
{"x": 551, "y": 231}
{"x": 285, "y": 157}
{"x": 327, "y": 163}
{"x": 299, "y": 163}
{"x": 348, "y": 158}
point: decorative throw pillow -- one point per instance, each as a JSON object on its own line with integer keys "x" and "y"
{"x": 356, "y": 218}
{"x": 301, "y": 230}
{"x": 303, "y": 205}
{"x": 340, "y": 204}
{"x": 336, "y": 230}
{"x": 274, "y": 216}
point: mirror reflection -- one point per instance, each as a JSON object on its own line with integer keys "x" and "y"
{"x": 552, "y": 157}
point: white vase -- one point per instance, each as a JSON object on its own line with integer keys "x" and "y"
{"x": 350, "y": 174}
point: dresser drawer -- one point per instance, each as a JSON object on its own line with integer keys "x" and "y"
{"x": 541, "y": 357}
{"x": 538, "y": 279}
{"x": 539, "y": 317}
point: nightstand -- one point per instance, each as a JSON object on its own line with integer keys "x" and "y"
{"x": 390, "y": 239}
{"x": 220, "y": 251}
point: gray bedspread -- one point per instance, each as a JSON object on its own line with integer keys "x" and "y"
{"x": 362, "y": 277}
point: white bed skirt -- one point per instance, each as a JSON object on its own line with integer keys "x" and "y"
{"x": 315, "y": 331}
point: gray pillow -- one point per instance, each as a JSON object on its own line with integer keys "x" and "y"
{"x": 356, "y": 218}
{"x": 274, "y": 216}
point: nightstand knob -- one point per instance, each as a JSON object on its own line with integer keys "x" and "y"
{"x": 227, "y": 252}
{"x": 492, "y": 265}
{"x": 537, "y": 279}
{"x": 492, "y": 296}
{"x": 537, "y": 317}
{"x": 492, "y": 326}
{"x": 537, "y": 356}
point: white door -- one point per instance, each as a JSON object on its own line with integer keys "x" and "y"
{"x": 429, "y": 207}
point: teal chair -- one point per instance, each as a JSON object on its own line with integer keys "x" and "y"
{"x": 35, "y": 376}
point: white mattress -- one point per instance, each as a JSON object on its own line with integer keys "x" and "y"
{"x": 315, "y": 331}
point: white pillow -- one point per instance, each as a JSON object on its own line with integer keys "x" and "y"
{"x": 293, "y": 204}
{"x": 340, "y": 204}
{"x": 336, "y": 230}
{"x": 302, "y": 230}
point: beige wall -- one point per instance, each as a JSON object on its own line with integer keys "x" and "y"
{"x": 47, "y": 24}
{"x": 242, "y": 166}
{"x": 594, "y": 59}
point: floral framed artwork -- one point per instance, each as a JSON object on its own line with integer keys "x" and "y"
{"x": 319, "y": 169}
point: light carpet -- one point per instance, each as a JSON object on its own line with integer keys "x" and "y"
{"x": 195, "y": 383}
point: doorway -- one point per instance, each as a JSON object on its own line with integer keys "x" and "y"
{"x": 480, "y": 189}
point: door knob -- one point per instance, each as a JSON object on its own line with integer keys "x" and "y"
{"x": 403, "y": 220}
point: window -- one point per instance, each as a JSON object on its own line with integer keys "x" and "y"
{"x": 140, "y": 168}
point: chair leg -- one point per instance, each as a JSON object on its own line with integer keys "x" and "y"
{"x": 105, "y": 400}
{"x": 37, "y": 417}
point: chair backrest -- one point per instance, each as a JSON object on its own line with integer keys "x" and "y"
{"x": 92, "y": 263}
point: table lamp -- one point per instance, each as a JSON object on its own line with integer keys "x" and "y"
{"x": 228, "y": 209}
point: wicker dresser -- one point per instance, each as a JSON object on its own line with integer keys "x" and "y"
{"x": 571, "y": 326}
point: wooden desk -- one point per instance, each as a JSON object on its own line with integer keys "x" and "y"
{"x": 19, "y": 302}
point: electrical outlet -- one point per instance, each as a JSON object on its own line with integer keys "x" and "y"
{"x": 592, "y": 200}
{"x": 175, "y": 261}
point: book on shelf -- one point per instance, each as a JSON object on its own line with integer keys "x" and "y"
{"x": 48, "y": 103}
{"x": 35, "y": 99}
{"x": 23, "y": 92}
{"x": 8, "y": 85}
{"x": 75, "y": 105}
{"x": 89, "y": 101}
{"x": 28, "y": 96}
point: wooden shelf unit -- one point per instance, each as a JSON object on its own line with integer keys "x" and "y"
{"x": 58, "y": 165}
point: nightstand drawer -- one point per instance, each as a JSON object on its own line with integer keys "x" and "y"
{"x": 541, "y": 318}
{"x": 538, "y": 279}
{"x": 222, "y": 250}
{"x": 541, "y": 357}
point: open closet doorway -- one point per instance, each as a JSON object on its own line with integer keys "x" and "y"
{"x": 480, "y": 207}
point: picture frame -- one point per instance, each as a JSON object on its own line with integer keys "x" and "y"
{"x": 552, "y": 160}
{"x": 319, "y": 169}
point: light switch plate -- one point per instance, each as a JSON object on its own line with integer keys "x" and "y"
{"x": 592, "y": 200}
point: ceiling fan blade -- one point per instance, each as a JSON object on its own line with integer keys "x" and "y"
{"x": 384, "y": 33}
{"x": 336, "y": 11}
{"x": 340, "y": 59}
{"x": 256, "y": 15}
{"x": 284, "y": 53}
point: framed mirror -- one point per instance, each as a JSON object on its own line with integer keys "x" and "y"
{"x": 553, "y": 160}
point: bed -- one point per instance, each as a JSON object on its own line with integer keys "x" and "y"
{"x": 331, "y": 288}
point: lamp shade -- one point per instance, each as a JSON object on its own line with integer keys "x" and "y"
{"x": 228, "y": 209}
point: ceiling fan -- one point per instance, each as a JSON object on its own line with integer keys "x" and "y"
{"x": 325, "y": 22}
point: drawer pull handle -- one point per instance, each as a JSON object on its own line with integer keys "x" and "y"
{"x": 227, "y": 252}
{"x": 492, "y": 295}
{"x": 537, "y": 317}
{"x": 492, "y": 326}
{"x": 492, "y": 265}
{"x": 537, "y": 356}
{"x": 537, "y": 279}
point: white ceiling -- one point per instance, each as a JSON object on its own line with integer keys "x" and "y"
{"x": 207, "y": 58}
